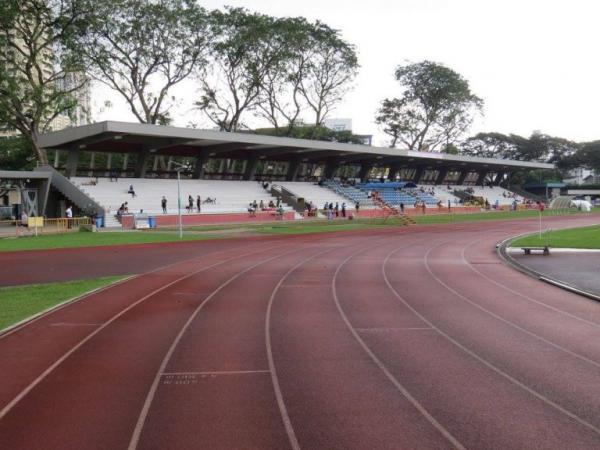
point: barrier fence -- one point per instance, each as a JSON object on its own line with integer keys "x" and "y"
{"x": 40, "y": 225}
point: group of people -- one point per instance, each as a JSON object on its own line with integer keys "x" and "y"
{"x": 253, "y": 207}
{"x": 192, "y": 203}
{"x": 332, "y": 211}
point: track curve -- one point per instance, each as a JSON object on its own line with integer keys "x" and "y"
{"x": 406, "y": 338}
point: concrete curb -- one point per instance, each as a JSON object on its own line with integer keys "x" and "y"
{"x": 508, "y": 260}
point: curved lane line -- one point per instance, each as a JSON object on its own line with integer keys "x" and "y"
{"x": 483, "y": 360}
{"x": 500, "y": 318}
{"x": 520, "y": 294}
{"x": 9, "y": 331}
{"x": 58, "y": 362}
{"x": 137, "y": 432}
{"x": 438, "y": 426}
{"x": 275, "y": 380}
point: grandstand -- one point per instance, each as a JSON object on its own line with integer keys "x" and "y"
{"x": 227, "y": 166}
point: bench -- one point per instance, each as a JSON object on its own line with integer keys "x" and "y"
{"x": 545, "y": 250}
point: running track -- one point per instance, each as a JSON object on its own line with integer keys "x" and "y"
{"x": 410, "y": 338}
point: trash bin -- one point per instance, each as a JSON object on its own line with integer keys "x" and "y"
{"x": 152, "y": 222}
{"x": 99, "y": 222}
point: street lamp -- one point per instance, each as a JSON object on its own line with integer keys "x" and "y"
{"x": 178, "y": 170}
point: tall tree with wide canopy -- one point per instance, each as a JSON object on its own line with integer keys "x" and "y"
{"x": 246, "y": 47}
{"x": 436, "y": 107}
{"x": 142, "y": 49}
{"x": 37, "y": 53}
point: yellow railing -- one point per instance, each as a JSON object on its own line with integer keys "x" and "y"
{"x": 37, "y": 226}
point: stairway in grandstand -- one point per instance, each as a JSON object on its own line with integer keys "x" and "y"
{"x": 390, "y": 211}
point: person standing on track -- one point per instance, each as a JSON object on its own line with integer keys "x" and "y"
{"x": 344, "y": 209}
{"x": 190, "y": 204}
{"x": 163, "y": 203}
{"x": 198, "y": 203}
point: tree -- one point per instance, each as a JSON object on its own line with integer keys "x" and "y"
{"x": 435, "y": 109}
{"x": 332, "y": 66}
{"x": 587, "y": 156}
{"x": 142, "y": 48}
{"x": 38, "y": 53}
{"x": 16, "y": 154}
{"x": 315, "y": 133}
{"x": 490, "y": 145}
{"x": 246, "y": 47}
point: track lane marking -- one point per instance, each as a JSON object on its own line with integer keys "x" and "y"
{"x": 420, "y": 408}
{"x": 216, "y": 372}
{"x": 137, "y": 432}
{"x": 500, "y": 318}
{"x": 289, "y": 428}
{"x": 482, "y": 360}
{"x": 524, "y": 296}
{"x": 58, "y": 362}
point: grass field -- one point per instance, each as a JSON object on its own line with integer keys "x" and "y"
{"x": 75, "y": 240}
{"x": 587, "y": 237}
{"x": 20, "y": 302}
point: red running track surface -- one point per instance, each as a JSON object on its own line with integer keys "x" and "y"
{"x": 408, "y": 338}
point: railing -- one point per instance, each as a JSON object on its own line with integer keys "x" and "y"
{"x": 50, "y": 226}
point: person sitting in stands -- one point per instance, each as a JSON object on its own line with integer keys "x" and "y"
{"x": 254, "y": 205}
{"x": 131, "y": 191}
{"x": 262, "y": 205}
{"x": 271, "y": 204}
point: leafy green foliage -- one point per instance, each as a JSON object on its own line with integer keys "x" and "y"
{"x": 16, "y": 154}
{"x": 142, "y": 48}
{"x": 435, "y": 109}
{"x": 315, "y": 133}
{"x": 38, "y": 55}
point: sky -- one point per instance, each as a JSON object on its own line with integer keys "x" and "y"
{"x": 533, "y": 62}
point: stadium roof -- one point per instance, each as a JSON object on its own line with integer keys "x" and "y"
{"x": 123, "y": 137}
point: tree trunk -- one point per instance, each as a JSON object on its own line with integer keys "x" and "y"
{"x": 40, "y": 152}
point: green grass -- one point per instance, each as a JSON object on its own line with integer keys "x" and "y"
{"x": 587, "y": 237}
{"x": 84, "y": 239}
{"x": 20, "y": 302}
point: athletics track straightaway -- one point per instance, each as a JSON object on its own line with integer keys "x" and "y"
{"x": 417, "y": 337}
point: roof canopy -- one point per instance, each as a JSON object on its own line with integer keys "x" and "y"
{"x": 122, "y": 137}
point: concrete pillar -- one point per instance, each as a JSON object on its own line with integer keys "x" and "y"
{"x": 72, "y": 160}
{"x": 141, "y": 163}
{"x": 481, "y": 177}
{"x": 292, "y": 172}
{"x": 56, "y": 158}
{"x": 250, "y": 172}
{"x": 199, "y": 167}
{"x": 418, "y": 175}
{"x": 393, "y": 172}
{"x": 499, "y": 178}
{"x": 462, "y": 177}
{"x": 441, "y": 175}
{"x": 363, "y": 173}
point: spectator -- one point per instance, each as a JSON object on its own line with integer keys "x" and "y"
{"x": 357, "y": 207}
{"x": 190, "y": 203}
{"x": 255, "y": 205}
{"x": 337, "y": 209}
{"x": 198, "y": 203}
{"x": 401, "y": 207}
{"x": 163, "y": 203}
{"x": 262, "y": 205}
{"x": 271, "y": 204}
{"x": 449, "y": 205}
{"x": 24, "y": 218}
{"x": 113, "y": 174}
{"x": 131, "y": 191}
{"x": 423, "y": 206}
{"x": 344, "y": 209}
{"x": 69, "y": 214}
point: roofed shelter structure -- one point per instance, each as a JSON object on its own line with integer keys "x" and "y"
{"x": 145, "y": 151}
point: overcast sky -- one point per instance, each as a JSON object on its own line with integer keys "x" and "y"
{"x": 535, "y": 63}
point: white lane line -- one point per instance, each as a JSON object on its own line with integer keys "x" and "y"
{"x": 26, "y": 322}
{"x": 58, "y": 362}
{"x": 289, "y": 428}
{"x": 520, "y": 294}
{"x": 137, "y": 432}
{"x": 482, "y": 360}
{"x": 216, "y": 372}
{"x": 70, "y": 324}
{"x": 438, "y": 426}
{"x": 390, "y": 329}
{"x": 500, "y": 318}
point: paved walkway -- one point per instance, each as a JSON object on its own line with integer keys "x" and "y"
{"x": 580, "y": 270}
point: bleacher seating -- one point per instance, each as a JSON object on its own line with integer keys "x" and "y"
{"x": 231, "y": 196}
{"x": 352, "y": 193}
{"x": 492, "y": 194}
{"x": 312, "y": 192}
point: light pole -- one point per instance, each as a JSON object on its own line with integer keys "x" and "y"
{"x": 178, "y": 170}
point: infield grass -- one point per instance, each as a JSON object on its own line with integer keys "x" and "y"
{"x": 85, "y": 239}
{"x": 17, "y": 303}
{"x": 587, "y": 237}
